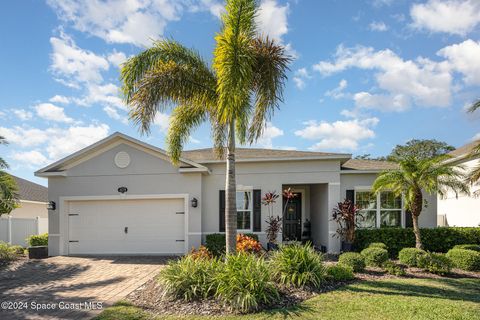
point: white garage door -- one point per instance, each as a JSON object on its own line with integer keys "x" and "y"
{"x": 126, "y": 226}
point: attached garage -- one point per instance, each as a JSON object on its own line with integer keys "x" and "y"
{"x": 126, "y": 226}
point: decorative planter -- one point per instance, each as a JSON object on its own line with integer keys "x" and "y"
{"x": 38, "y": 252}
{"x": 347, "y": 246}
{"x": 272, "y": 246}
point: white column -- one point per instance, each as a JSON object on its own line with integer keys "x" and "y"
{"x": 333, "y": 200}
{"x": 37, "y": 225}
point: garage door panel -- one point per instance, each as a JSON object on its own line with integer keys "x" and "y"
{"x": 154, "y": 226}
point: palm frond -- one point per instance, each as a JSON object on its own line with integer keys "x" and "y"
{"x": 2, "y": 140}
{"x": 271, "y": 64}
{"x": 8, "y": 193}
{"x": 3, "y": 164}
{"x": 474, "y": 106}
{"x": 474, "y": 175}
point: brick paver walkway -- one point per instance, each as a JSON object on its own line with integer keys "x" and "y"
{"x": 73, "y": 286}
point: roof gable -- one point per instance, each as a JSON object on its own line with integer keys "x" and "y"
{"x": 106, "y": 144}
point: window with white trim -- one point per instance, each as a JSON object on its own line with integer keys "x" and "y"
{"x": 244, "y": 210}
{"x": 378, "y": 210}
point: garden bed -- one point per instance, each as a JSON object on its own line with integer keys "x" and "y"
{"x": 150, "y": 296}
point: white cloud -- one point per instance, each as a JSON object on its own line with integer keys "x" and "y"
{"x": 270, "y": 132}
{"x": 73, "y": 65}
{"x": 341, "y": 135}
{"x": 105, "y": 94}
{"x": 113, "y": 113}
{"x": 24, "y": 137}
{"x": 63, "y": 142}
{"x": 31, "y": 158}
{"x": 23, "y": 114}
{"x": 396, "y": 103}
{"x": 423, "y": 81}
{"x": 381, "y": 3}
{"x": 215, "y": 7}
{"x": 59, "y": 99}
{"x": 300, "y": 77}
{"x": 51, "y": 112}
{"x": 117, "y": 58}
{"x": 272, "y": 19}
{"x": 119, "y": 21}
{"x": 464, "y": 58}
{"x": 162, "y": 121}
{"x": 338, "y": 93}
{"x": 476, "y": 137}
{"x": 450, "y": 16}
{"x": 378, "y": 26}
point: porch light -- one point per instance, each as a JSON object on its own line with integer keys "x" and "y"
{"x": 122, "y": 189}
{"x": 51, "y": 205}
{"x": 194, "y": 202}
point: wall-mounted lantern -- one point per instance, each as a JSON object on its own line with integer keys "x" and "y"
{"x": 194, "y": 202}
{"x": 51, "y": 205}
{"x": 122, "y": 189}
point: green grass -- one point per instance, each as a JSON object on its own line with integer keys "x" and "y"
{"x": 383, "y": 299}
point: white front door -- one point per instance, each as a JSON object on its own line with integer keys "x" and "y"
{"x": 143, "y": 226}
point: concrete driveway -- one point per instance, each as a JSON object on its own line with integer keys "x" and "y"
{"x": 71, "y": 287}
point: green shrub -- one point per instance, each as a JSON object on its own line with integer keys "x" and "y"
{"x": 465, "y": 259}
{"x": 243, "y": 282}
{"x": 340, "y": 272}
{"x": 38, "y": 240}
{"x": 7, "y": 252}
{"x": 189, "y": 278}
{"x": 298, "y": 265}
{"x": 474, "y": 247}
{"x": 435, "y": 263}
{"x": 409, "y": 256}
{"x": 19, "y": 250}
{"x": 352, "y": 259}
{"x": 378, "y": 245}
{"x": 375, "y": 257}
{"x": 439, "y": 239}
{"x": 215, "y": 242}
{"x": 394, "y": 269}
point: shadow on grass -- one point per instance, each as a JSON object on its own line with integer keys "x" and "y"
{"x": 464, "y": 290}
{"x": 294, "y": 311}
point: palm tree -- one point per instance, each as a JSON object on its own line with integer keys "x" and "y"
{"x": 8, "y": 187}
{"x": 237, "y": 95}
{"x": 415, "y": 176}
{"x": 474, "y": 175}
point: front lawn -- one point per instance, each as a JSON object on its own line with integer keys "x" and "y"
{"x": 437, "y": 298}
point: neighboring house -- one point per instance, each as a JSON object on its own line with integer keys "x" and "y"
{"x": 462, "y": 210}
{"x": 33, "y": 200}
{"x": 123, "y": 196}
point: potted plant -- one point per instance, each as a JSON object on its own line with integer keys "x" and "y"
{"x": 345, "y": 215}
{"x": 274, "y": 223}
{"x": 38, "y": 246}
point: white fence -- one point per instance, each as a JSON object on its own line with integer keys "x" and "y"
{"x": 16, "y": 230}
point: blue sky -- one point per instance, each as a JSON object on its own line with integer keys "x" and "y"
{"x": 367, "y": 75}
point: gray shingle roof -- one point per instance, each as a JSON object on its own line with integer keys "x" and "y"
{"x": 30, "y": 191}
{"x": 360, "y": 164}
{"x": 464, "y": 150}
{"x": 202, "y": 155}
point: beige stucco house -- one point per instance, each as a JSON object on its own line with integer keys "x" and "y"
{"x": 462, "y": 210}
{"x": 123, "y": 196}
{"x": 33, "y": 200}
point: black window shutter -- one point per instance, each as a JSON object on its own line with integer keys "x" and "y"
{"x": 408, "y": 219}
{"x": 350, "y": 195}
{"x": 257, "y": 210}
{"x": 221, "y": 212}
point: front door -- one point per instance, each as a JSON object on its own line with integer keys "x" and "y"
{"x": 292, "y": 218}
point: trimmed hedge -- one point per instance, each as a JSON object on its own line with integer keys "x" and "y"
{"x": 340, "y": 272}
{"x": 473, "y": 247}
{"x": 380, "y": 245}
{"x": 436, "y": 263}
{"x": 38, "y": 240}
{"x": 375, "y": 257}
{"x": 215, "y": 242}
{"x": 439, "y": 239}
{"x": 465, "y": 259}
{"x": 409, "y": 256}
{"x": 353, "y": 260}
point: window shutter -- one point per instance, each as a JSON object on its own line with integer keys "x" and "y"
{"x": 350, "y": 195}
{"x": 408, "y": 219}
{"x": 221, "y": 212}
{"x": 257, "y": 210}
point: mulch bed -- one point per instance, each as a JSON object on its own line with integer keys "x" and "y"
{"x": 151, "y": 297}
{"x": 12, "y": 265}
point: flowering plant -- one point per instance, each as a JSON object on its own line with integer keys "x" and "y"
{"x": 345, "y": 215}
{"x": 247, "y": 244}
{"x": 275, "y": 222}
{"x": 201, "y": 253}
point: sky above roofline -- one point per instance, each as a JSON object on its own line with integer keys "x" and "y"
{"x": 367, "y": 75}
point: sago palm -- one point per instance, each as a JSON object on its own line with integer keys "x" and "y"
{"x": 415, "y": 176}
{"x": 8, "y": 187}
{"x": 237, "y": 95}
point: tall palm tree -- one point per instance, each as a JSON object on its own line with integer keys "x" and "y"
{"x": 237, "y": 95}
{"x": 8, "y": 187}
{"x": 415, "y": 176}
{"x": 474, "y": 175}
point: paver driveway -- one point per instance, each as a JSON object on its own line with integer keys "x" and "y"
{"x": 74, "y": 286}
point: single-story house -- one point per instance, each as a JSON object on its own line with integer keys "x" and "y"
{"x": 461, "y": 210}
{"x": 33, "y": 200}
{"x": 123, "y": 196}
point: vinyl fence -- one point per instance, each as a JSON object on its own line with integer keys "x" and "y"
{"x": 16, "y": 230}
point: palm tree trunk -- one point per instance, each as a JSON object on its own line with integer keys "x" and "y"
{"x": 231, "y": 189}
{"x": 416, "y": 210}
{"x": 416, "y": 231}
